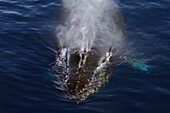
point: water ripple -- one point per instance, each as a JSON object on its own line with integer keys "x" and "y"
{"x": 26, "y": 51}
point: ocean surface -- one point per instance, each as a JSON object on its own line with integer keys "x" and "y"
{"x": 27, "y": 50}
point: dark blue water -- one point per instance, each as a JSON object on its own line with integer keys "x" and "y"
{"x": 26, "y": 31}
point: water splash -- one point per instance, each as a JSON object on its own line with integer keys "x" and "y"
{"x": 90, "y": 23}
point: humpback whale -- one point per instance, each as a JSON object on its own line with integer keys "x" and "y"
{"x": 89, "y": 43}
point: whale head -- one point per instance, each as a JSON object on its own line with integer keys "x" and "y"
{"x": 82, "y": 73}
